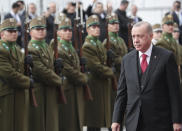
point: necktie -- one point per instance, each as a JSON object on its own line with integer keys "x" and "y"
{"x": 144, "y": 63}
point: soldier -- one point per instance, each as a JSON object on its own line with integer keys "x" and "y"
{"x": 98, "y": 111}
{"x": 157, "y": 33}
{"x": 14, "y": 85}
{"x": 167, "y": 41}
{"x": 72, "y": 113}
{"x": 118, "y": 48}
{"x": 47, "y": 83}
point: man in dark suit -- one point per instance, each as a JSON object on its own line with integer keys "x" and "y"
{"x": 148, "y": 90}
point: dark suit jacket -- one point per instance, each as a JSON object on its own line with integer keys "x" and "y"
{"x": 157, "y": 99}
{"x": 50, "y": 28}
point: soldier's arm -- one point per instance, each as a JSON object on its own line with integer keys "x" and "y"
{"x": 10, "y": 75}
{"x": 94, "y": 63}
{"x": 42, "y": 73}
{"x": 72, "y": 74}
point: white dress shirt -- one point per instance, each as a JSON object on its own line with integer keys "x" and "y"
{"x": 148, "y": 53}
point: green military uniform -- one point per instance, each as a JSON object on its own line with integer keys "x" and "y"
{"x": 98, "y": 111}
{"x": 167, "y": 41}
{"x": 72, "y": 113}
{"x": 14, "y": 85}
{"x": 118, "y": 46}
{"x": 46, "y": 116}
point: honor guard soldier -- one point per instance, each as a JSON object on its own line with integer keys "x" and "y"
{"x": 117, "y": 46}
{"x": 98, "y": 111}
{"x": 47, "y": 82}
{"x": 14, "y": 85}
{"x": 72, "y": 113}
{"x": 167, "y": 41}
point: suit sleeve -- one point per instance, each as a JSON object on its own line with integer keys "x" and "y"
{"x": 10, "y": 75}
{"x": 174, "y": 89}
{"x": 121, "y": 98}
{"x": 94, "y": 63}
{"x": 44, "y": 74}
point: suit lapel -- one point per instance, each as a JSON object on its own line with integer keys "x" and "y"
{"x": 152, "y": 65}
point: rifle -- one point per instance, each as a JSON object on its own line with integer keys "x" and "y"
{"x": 61, "y": 92}
{"x": 78, "y": 30}
{"x": 109, "y": 63}
{"x": 130, "y": 41}
{"x": 28, "y": 68}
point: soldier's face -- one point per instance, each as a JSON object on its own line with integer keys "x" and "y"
{"x": 113, "y": 27}
{"x": 94, "y": 30}
{"x": 9, "y": 35}
{"x": 176, "y": 35}
{"x": 38, "y": 33}
{"x": 168, "y": 28}
{"x": 141, "y": 38}
{"x": 65, "y": 34}
{"x": 157, "y": 35}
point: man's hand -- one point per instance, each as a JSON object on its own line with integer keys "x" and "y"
{"x": 177, "y": 127}
{"x": 115, "y": 127}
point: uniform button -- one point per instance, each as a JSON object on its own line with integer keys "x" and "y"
{"x": 47, "y": 61}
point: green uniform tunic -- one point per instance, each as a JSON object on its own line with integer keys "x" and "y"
{"x": 118, "y": 46}
{"x": 168, "y": 42}
{"x": 46, "y": 116}
{"x": 98, "y": 111}
{"x": 14, "y": 85}
{"x": 72, "y": 113}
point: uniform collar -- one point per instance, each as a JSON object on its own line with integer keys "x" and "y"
{"x": 41, "y": 43}
{"x": 113, "y": 34}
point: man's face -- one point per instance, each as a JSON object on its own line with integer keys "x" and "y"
{"x": 94, "y": 30}
{"x": 176, "y": 35}
{"x": 52, "y": 8}
{"x": 113, "y": 27}
{"x": 141, "y": 38}
{"x": 71, "y": 9}
{"x": 168, "y": 28}
{"x": 32, "y": 9}
{"x": 99, "y": 8}
{"x": 9, "y": 35}
{"x": 65, "y": 34}
{"x": 38, "y": 33}
{"x": 157, "y": 35}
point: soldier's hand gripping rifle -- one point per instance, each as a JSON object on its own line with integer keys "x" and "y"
{"x": 110, "y": 56}
{"x": 57, "y": 70}
{"x": 29, "y": 62}
{"x": 78, "y": 30}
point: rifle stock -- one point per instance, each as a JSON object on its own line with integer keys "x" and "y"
{"x": 62, "y": 97}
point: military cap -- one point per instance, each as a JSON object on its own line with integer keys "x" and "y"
{"x": 65, "y": 23}
{"x": 8, "y": 24}
{"x": 156, "y": 27}
{"x": 113, "y": 18}
{"x": 92, "y": 20}
{"x": 168, "y": 19}
{"x": 176, "y": 27}
{"x": 39, "y": 22}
